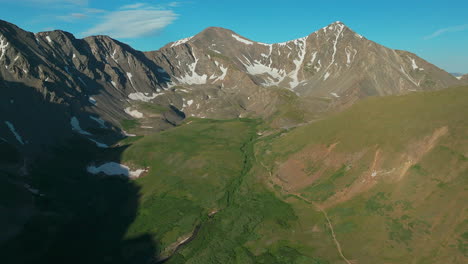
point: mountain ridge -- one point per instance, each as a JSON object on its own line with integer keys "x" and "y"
{"x": 227, "y": 30}
{"x": 215, "y": 74}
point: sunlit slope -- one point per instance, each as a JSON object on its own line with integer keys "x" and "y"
{"x": 191, "y": 168}
{"x": 202, "y": 183}
{"x": 391, "y": 172}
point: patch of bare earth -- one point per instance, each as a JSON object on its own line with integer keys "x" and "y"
{"x": 294, "y": 174}
{"x": 413, "y": 154}
{"x": 420, "y": 148}
{"x": 305, "y": 167}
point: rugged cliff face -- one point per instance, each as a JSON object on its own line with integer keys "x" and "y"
{"x": 332, "y": 62}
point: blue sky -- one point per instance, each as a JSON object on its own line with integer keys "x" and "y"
{"x": 435, "y": 30}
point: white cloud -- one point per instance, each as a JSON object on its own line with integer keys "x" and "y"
{"x": 446, "y": 30}
{"x": 133, "y": 21}
{"x": 73, "y": 16}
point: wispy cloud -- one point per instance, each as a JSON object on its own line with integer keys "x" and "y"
{"x": 73, "y": 17}
{"x": 133, "y": 21}
{"x": 447, "y": 30}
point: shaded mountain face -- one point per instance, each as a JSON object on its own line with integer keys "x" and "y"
{"x": 54, "y": 85}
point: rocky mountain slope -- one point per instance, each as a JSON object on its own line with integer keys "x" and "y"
{"x": 53, "y": 85}
{"x": 74, "y": 85}
{"x": 332, "y": 62}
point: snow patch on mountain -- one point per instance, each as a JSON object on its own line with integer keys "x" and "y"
{"x": 134, "y": 113}
{"x": 75, "y": 124}
{"x": 13, "y": 130}
{"x": 314, "y": 56}
{"x": 113, "y": 55}
{"x": 286, "y": 43}
{"x": 245, "y": 41}
{"x": 338, "y": 31}
{"x": 408, "y": 76}
{"x": 414, "y": 65}
{"x": 257, "y": 68}
{"x": 99, "y": 144}
{"x": 49, "y": 39}
{"x": 3, "y": 46}
{"x": 193, "y": 77}
{"x": 130, "y": 76}
{"x": 350, "y": 54}
{"x": 181, "y": 41}
{"x": 115, "y": 169}
{"x": 143, "y": 97}
{"x": 223, "y": 75}
{"x": 319, "y": 67}
{"x": 294, "y": 75}
{"x": 101, "y": 122}
{"x": 92, "y": 100}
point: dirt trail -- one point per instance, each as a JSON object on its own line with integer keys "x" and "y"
{"x": 319, "y": 208}
{"x": 330, "y": 225}
{"x": 338, "y": 246}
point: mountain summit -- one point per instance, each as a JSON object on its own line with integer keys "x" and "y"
{"x": 332, "y": 59}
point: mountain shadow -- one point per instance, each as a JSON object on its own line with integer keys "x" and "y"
{"x": 51, "y": 209}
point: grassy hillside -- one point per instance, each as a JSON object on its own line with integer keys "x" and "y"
{"x": 391, "y": 172}
{"x": 192, "y": 168}
{"x": 201, "y": 184}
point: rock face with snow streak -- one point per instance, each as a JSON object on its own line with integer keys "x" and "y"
{"x": 50, "y": 78}
{"x": 55, "y": 77}
{"x": 333, "y": 59}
